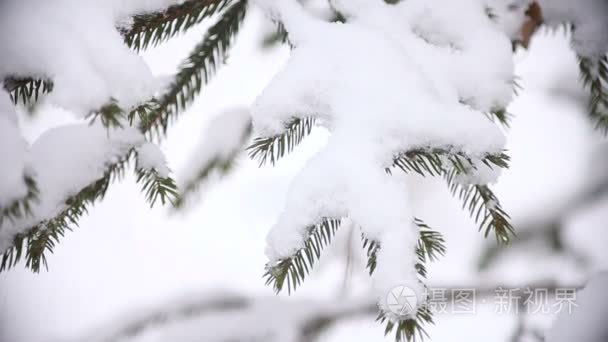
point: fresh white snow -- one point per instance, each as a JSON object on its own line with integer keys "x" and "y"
{"x": 385, "y": 82}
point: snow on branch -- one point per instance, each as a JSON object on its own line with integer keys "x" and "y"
{"x": 221, "y": 143}
{"x": 119, "y": 101}
{"x": 397, "y": 86}
{"x": 198, "y": 68}
{"x": 151, "y": 29}
{"x": 73, "y": 167}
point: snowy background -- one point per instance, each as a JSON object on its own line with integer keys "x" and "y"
{"x": 126, "y": 260}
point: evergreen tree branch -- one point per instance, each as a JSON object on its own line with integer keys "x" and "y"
{"x": 271, "y": 149}
{"x": 197, "y": 69}
{"x": 41, "y": 238}
{"x": 594, "y": 74}
{"x": 155, "y": 28}
{"x": 146, "y": 29}
{"x": 220, "y": 163}
{"x": 479, "y": 200}
{"x": 200, "y": 65}
{"x": 430, "y": 245}
{"x": 410, "y": 329}
{"x": 21, "y": 207}
{"x": 294, "y": 269}
{"x": 22, "y": 90}
{"x": 157, "y": 187}
{"x": 223, "y": 165}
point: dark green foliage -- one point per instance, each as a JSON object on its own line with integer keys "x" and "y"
{"x": 484, "y": 207}
{"x": 479, "y": 200}
{"x": 217, "y": 164}
{"x": 437, "y": 161}
{"x": 22, "y": 90}
{"x": 155, "y": 28}
{"x": 594, "y": 74}
{"x": 154, "y": 115}
{"x": 154, "y": 186}
{"x": 198, "y": 68}
{"x": 294, "y": 269}
{"x": 276, "y": 37}
{"x": 410, "y": 329}
{"x": 22, "y": 206}
{"x": 273, "y": 148}
{"x": 430, "y": 245}
{"x": 43, "y": 237}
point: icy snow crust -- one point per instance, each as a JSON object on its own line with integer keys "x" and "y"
{"x": 383, "y": 83}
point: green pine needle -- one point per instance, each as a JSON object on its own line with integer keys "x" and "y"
{"x": 409, "y": 330}
{"x": 430, "y": 245}
{"x": 198, "y": 68}
{"x": 271, "y": 149}
{"x": 479, "y": 200}
{"x": 24, "y": 90}
{"x": 43, "y": 237}
{"x": 292, "y": 271}
{"x": 220, "y": 164}
{"x": 594, "y": 74}
{"x": 155, "y": 28}
{"x": 22, "y": 206}
{"x": 156, "y": 187}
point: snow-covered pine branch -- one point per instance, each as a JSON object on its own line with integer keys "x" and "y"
{"x": 421, "y": 103}
{"x": 96, "y": 76}
{"x": 221, "y": 143}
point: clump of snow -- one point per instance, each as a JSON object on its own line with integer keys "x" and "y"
{"x": 65, "y": 160}
{"x": 150, "y": 157}
{"x": 586, "y": 321}
{"x": 415, "y": 75}
{"x": 222, "y": 139}
{"x": 12, "y": 154}
{"x": 75, "y": 43}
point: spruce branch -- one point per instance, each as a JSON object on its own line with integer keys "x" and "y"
{"x": 437, "y": 161}
{"x": 42, "y": 237}
{"x": 198, "y": 68}
{"x": 483, "y": 206}
{"x": 21, "y": 207}
{"x": 294, "y": 269}
{"x": 222, "y": 164}
{"x": 23, "y": 90}
{"x": 430, "y": 245}
{"x": 271, "y": 149}
{"x": 157, "y": 187}
{"x": 410, "y": 329}
{"x": 155, "y": 28}
{"x": 594, "y": 74}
